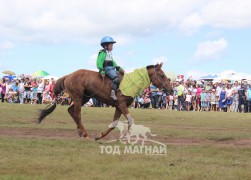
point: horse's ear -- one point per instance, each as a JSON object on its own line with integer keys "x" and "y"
{"x": 159, "y": 66}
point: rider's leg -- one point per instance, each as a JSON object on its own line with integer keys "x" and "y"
{"x": 111, "y": 72}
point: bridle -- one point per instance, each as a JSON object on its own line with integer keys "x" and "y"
{"x": 156, "y": 77}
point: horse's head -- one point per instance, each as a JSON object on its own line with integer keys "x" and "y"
{"x": 159, "y": 79}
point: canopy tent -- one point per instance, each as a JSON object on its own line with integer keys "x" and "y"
{"x": 231, "y": 77}
{"x": 50, "y": 77}
{"x": 9, "y": 72}
{"x": 40, "y": 73}
{"x": 209, "y": 77}
{"x": 10, "y": 77}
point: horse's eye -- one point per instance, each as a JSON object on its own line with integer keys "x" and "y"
{"x": 162, "y": 76}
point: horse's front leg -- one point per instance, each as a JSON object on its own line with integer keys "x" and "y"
{"x": 112, "y": 126}
{"x": 124, "y": 109}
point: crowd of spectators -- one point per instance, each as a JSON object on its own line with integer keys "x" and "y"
{"x": 188, "y": 95}
{"x": 199, "y": 96}
{"x": 30, "y": 91}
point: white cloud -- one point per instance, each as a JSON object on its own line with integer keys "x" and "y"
{"x": 45, "y": 21}
{"x": 91, "y": 63}
{"x": 161, "y": 59}
{"x": 227, "y": 13}
{"x": 191, "y": 23}
{"x": 6, "y": 45}
{"x": 195, "y": 74}
{"x": 209, "y": 50}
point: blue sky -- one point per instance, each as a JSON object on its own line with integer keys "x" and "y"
{"x": 194, "y": 38}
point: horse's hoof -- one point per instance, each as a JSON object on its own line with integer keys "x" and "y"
{"x": 88, "y": 138}
{"x": 80, "y": 133}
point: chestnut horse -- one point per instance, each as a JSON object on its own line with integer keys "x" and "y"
{"x": 84, "y": 84}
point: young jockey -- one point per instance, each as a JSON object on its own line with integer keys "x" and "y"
{"x": 107, "y": 65}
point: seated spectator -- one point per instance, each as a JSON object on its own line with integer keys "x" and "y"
{"x": 66, "y": 99}
{"x": 47, "y": 98}
{"x": 10, "y": 96}
{"x": 144, "y": 102}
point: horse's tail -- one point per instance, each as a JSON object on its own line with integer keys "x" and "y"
{"x": 58, "y": 87}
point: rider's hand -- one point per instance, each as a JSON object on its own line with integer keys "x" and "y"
{"x": 103, "y": 75}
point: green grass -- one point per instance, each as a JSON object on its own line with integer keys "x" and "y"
{"x": 77, "y": 158}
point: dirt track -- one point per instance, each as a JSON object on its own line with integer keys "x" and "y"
{"x": 72, "y": 134}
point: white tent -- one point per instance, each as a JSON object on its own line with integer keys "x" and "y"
{"x": 230, "y": 76}
{"x": 50, "y": 77}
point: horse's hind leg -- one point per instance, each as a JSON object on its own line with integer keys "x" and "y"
{"x": 71, "y": 112}
{"x": 112, "y": 126}
{"x": 75, "y": 112}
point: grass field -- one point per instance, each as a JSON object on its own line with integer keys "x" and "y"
{"x": 201, "y": 145}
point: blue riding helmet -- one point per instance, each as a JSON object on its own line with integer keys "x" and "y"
{"x": 107, "y": 39}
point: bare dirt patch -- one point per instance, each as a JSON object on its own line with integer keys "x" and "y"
{"x": 72, "y": 134}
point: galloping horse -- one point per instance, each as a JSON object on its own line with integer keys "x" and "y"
{"x": 84, "y": 84}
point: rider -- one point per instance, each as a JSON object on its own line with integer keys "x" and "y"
{"x": 107, "y": 65}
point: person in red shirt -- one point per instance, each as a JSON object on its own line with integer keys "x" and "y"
{"x": 53, "y": 82}
{"x": 34, "y": 83}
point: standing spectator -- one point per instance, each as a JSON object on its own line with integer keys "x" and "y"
{"x": 160, "y": 100}
{"x": 203, "y": 100}
{"x": 242, "y": 98}
{"x": 222, "y": 101}
{"x": 235, "y": 90}
{"x": 175, "y": 99}
{"x": 40, "y": 90}
{"x": 154, "y": 96}
{"x": 208, "y": 86}
{"x": 198, "y": 100}
{"x": 3, "y": 87}
{"x": 249, "y": 97}
{"x": 169, "y": 102}
{"x": 181, "y": 100}
{"x": 194, "y": 91}
{"x": 179, "y": 79}
{"x": 229, "y": 97}
{"x": 53, "y": 82}
{"x": 47, "y": 86}
{"x": 208, "y": 100}
{"x": 21, "y": 91}
{"x": 136, "y": 102}
{"x": 188, "y": 100}
{"x": 164, "y": 102}
{"x": 27, "y": 90}
{"x": 8, "y": 87}
{"x": 213, "y": 101}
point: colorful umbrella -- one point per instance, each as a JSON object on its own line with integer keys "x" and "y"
{"x": 40, "y": 73}
{"x": 9, "y": 72}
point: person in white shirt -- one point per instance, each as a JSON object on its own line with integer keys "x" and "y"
{"x": 188, "y": 101}
{"x": 40, "y": 90}
{"x": 21, "y": 91}
{"x": 235, "y": 103}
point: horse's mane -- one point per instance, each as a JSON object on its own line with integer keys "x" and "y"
{"x": 151, "y": 66}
